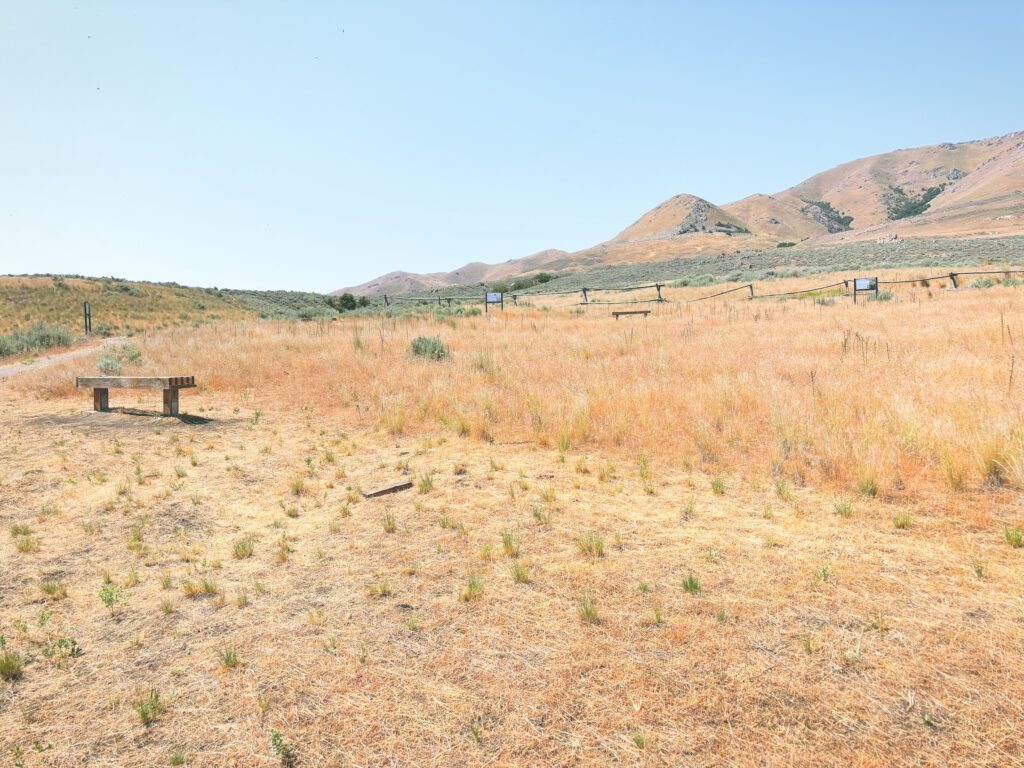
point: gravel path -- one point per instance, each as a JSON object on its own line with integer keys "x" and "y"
{"x": 9, "y": 370}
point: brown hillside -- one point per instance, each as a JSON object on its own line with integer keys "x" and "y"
{"x": 977, "y": 191}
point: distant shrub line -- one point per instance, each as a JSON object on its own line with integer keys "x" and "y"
{"x": 522, "y": 283}
{"x": 38, "y": 336}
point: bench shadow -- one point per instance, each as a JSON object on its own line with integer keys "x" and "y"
{"x": 184, "y": 418}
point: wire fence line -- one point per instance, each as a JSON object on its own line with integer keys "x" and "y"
{"x": 585, "y": 292}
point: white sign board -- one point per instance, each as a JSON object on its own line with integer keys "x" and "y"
{"x": 493, "y": 298}
{"x": 865, "y": 283}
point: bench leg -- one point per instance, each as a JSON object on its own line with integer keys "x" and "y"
{"x": 100, "y": 399}
{"x": 171, "y": 402}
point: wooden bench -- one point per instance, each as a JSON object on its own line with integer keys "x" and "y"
{"x": 101, "y": 386}
{"x": 643, "y": 312}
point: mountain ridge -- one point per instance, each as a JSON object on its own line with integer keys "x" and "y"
{"x": 958, "y": 190}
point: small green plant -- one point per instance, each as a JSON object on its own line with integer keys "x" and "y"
{"x": 389, "y": 523}
{"x": 722, "y": 616}
{"x": 509, "y": 546}
{"x": 473, "y": 589}
{"x": 980, "y": 569}
{"x": 150, "y": 708}
{"x": 689, "y": 509}
{"x": 586, "y": 606}
{"x": 243, "y": 548}
{"x": 229, "y": 658}
{"x": 844, "y": 508}
{"x": 691, "y": 584}
{"x": 644, "y": 465}
{"x": 903, "y": 521}
{"x": 520, "y": 573}
{"x": 178, "y": 758}
{"x": 111, "y": 595}
{"x": 1014, "y": 536}
{"x": 12, "y": 665}
{"x": 284, "y": 750}
{"x": 426, "y": 482}
{"x": 205, "y": 587}
{"x": 53, "y": 589}
{"x": 591, "y": 544}
{"x": 781, "y": 489}
{"x": 486, "y": 551}
{"x": 27, "y": 544}
{"x": 430, "y": 347}
{"x": 640, "y": 740}
{"x": 718, "y": 486}
{"x": 867, "y": 486}
{"x": 381, "y": 590}
{"x": 284, "y": 549}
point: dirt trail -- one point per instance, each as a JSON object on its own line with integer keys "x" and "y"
{"x": 9, "y": 370}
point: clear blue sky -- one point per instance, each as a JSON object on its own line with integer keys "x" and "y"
{"x": 315, "y": 145}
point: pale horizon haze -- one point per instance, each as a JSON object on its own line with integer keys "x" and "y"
{"x": 315, "y": 145}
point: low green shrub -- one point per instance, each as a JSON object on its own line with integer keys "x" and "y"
{"x": 429, "y": 346}
{"x": 38, "y": 336}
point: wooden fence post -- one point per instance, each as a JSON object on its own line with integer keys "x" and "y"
{"x": 952, "y": 278}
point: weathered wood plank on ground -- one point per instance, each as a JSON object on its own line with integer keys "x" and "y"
{"x": 390, "y": 488}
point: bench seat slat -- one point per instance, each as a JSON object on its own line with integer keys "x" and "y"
{"x": 136, "y": 382}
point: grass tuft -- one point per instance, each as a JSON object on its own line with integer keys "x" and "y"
{"x": 591, "y": 544}
{"x": 586, "y": 607}
{"x": 691, "y": 584}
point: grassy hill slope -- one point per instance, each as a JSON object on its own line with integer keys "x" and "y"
{"x": 122, "y": 307}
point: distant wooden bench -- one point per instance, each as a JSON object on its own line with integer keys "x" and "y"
{"x": 101, "y": 386}
{"x": 643, "y": 312}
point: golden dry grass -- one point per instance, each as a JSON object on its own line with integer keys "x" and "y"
{"x": 118, "y": 307}
{"x": 729, "y": 443}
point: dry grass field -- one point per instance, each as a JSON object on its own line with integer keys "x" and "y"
{"x": 732, "y": 533}
{"x": 118, "y": 306}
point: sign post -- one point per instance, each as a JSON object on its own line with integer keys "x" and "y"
{"x": 87, "y": 316}
{"x": 864, "y": 285}
{"x": 494, "y": 298}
